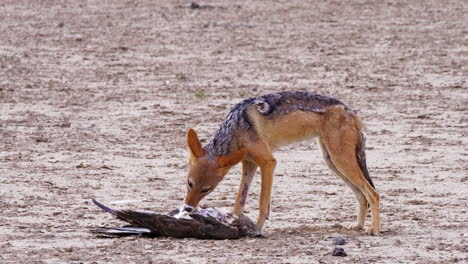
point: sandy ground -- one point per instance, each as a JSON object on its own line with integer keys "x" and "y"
{"x": 96, "y": 97}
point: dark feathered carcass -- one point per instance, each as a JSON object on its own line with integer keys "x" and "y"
{"x": 201, "y": 223}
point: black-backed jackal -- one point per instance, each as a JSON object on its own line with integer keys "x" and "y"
{"x": 257, "y": 126}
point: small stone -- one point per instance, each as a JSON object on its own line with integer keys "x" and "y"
{"x": 82, "y": 166}
{"x": 339, "y": 252}
{"x": 339, "y": 241}
{"x": 194, "y": 5}
{"x": 42, "y": 140}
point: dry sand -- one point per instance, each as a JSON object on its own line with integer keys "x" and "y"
{"x": 96, "y": 97}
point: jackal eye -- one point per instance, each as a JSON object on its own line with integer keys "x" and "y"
{"x": 205, "y": 190}
{"x": 190, "y": 184}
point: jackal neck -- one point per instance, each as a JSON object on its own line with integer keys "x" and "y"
{"x": 225, "y": 140}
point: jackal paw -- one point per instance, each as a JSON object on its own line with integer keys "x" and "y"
{"x": 354, "y": 226}
{"x": 374, "y": 231}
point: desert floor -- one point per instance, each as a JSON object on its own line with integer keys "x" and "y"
{"x": 96, "y": 98}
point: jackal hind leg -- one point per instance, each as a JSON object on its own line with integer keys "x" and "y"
{"x": 248, "y": 172}
{"x": 341, "y": 145}
{"x": 362, "y": 208}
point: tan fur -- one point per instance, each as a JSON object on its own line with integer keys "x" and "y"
{"x": 231, "y": 159}
{"x": 286, "y": 129}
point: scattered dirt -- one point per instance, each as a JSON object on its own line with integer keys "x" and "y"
{"x": 96, "y": 97}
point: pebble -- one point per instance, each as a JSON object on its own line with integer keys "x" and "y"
{"x": 339, "y": 241}
{"x": 339, "y": 252}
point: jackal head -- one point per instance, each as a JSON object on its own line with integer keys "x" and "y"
{"x": 205, "y": 171}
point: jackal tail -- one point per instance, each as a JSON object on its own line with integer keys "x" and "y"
{"x": 361, "y": 151}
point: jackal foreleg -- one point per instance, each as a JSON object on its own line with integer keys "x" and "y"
{"x": 262, "y": 156}
{"x": 267, "y": 169}
{"x": 248, "y": 172}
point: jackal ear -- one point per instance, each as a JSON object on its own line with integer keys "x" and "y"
{"x": 194, "y": 144}
{"x": 231, "y": 159}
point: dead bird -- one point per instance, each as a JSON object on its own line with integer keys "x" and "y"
{"x": 201, "y": 223}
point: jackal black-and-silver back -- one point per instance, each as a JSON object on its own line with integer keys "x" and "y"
{"x": 270, "y": 106}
